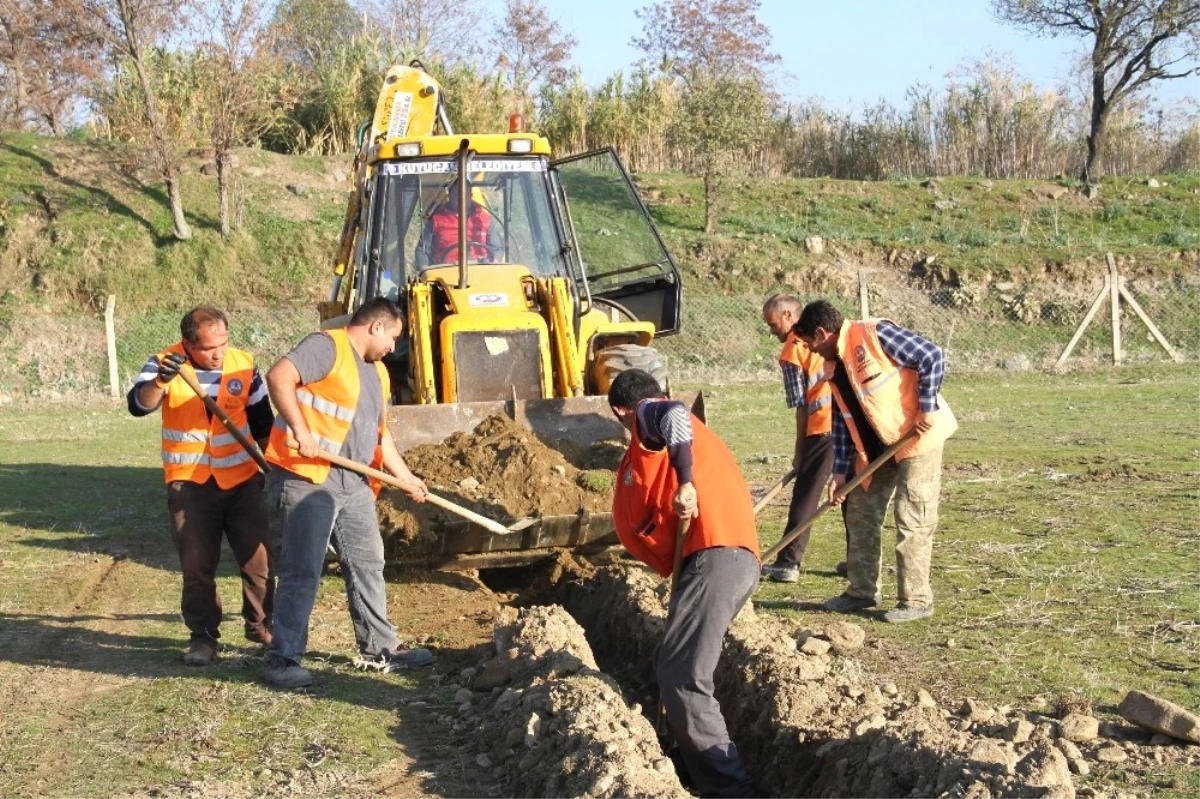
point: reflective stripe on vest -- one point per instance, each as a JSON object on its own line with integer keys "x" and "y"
{"x": 817, "y": 400}
{"x": 646, "y": 483}
{"x": 328, "y": 406}
{"x": 887, "y": 393}
{"x": 196, "y": 447}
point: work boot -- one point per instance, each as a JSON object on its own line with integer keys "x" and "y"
{"x": 903, "y": 613}
{"x": 781, "y": 574}
{"x": 400, "y": 660}
{"x": 259, "y": 636}
{"x": 201, "y": 652}
{"x": 843, "y": 603}
{"x": 842, "y": 570}
{"x": 281, "y": 674}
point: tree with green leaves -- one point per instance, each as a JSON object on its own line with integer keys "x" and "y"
{"x": 1133, "y": 43}
{"x": 718, "y": 52}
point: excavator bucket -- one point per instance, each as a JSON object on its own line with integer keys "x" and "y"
{"x": 570, "y": 426}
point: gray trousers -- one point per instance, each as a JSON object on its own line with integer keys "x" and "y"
{"x": 713, "y": 586}
{"x": 308, "y": 517}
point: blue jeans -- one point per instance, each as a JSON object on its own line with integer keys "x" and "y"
{"x": 308, "y": 516}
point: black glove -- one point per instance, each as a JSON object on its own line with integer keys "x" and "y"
{"x": 168, "y": 367}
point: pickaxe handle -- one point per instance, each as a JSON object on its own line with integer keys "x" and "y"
{"x": 872, "y": 467}
{"x": 773, "y": 490}
{"x": 251, "y": 448}
{"x": 391, "y": 480}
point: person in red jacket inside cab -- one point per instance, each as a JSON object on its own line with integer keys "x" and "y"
{"x": 439, "y": 239}
{"x": 676, "y": 468}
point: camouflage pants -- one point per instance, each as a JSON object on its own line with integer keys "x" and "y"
{"x": 915, "y": 483}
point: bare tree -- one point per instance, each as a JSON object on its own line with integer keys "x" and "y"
{"x": 531, "y": 48}
{"x": 131, "y": 28}
{"x": 1134, "y": 42}
{"x": 45, "y": 62}
{"x": 429, "y": 30}
{"x": 240, "y": 78}
{"x": 718, "y": 52}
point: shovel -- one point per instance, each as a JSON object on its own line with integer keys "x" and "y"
{"x": 251, "y": 448}
{"x": 384, "y": 477}
{"x": 773, "y": 490}
{"x": 872, "y": 467}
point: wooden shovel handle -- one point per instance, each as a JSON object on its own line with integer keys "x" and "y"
{"x": 251, "y": 448}
{"x": 773, "y": 490}
{"x": 391, "y": 480}
{"x": 874, "y": 465}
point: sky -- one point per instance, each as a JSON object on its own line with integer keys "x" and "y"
{"x": 853, "y": 52}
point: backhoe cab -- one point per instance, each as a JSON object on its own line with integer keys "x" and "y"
{"x": 528, "y": 283}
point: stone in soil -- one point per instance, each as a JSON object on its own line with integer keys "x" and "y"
{"x": 1159, "y": 715}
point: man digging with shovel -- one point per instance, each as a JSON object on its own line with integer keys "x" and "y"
{"x": 214, "y": 486}
{"x": 331, "y": 391}
{"x": 678, "y": 472}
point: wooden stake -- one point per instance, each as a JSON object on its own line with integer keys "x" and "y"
{"x": 1087, "y": 320}
{"x": 864, "y": 301}
{"x": 1154, "y": 331}
{"x": 1115, "y": 304}
{"x": 110, "y": 334}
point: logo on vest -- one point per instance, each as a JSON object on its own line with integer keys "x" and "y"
{"x": 628, "y": 478}
{"x": 235, "y": 387}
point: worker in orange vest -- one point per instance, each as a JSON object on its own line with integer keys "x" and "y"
{"x": 676, "y": 468}
{"x": 332, "y": 392}
{"x": 214, "y": 487}
{"x": 439, "y": 239}
{"x": 806, "y": 390}
{"x": 886, "y": 381}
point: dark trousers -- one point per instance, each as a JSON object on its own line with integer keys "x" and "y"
{"x": 201, "y": 513}
{"x": 713, "y": 586}
{"x": 807, "y": 492}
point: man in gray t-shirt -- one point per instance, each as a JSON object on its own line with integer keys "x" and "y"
{"x": 340, "y": 507}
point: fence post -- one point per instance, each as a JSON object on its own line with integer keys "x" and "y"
{"x": 110, "y": 333}
{"x": 1115, "y": 280}
{"x": 864, "y": 302}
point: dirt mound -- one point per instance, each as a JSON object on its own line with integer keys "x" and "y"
{"x": 811, "y": 723}
{"x": 559, "y": 727}
{"x": 501, "y": 471}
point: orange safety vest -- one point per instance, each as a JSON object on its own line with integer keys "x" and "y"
{"x": 646, "y": 483}
{"x": 195, "y": 447}
{"x": 887, "y": 393}
{"x": 445, "y": 235}
{"x": 819, "y": 400}
{"x": 328, "y": 407}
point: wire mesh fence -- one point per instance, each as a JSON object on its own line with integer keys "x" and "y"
{"x": 723, "y": 339}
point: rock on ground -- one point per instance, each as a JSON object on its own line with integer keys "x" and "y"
{"x": 1159, "y": 715}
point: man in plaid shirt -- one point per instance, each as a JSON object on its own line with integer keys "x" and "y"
{"x": 885, "y": 382}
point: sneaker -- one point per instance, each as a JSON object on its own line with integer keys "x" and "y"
{"x": 287, "y": 675}
{"x": 841, "y": 570}
{"x": 401, "y": 659}
{"x": 781, "y": 574}
{"x": 903, "y": 613}
{"x": 844, "y": 603}
{"x": 201, "y": 652}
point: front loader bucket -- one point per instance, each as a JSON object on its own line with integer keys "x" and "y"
{"x": 570, "y": 426}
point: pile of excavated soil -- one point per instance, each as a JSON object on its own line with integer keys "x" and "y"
{"x": 501, "y": 471}
{"x": 805, "y": 728}
{"x": 547, "y": 722}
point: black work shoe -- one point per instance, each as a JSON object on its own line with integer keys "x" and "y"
{"x": 201, "y": 652}
{"x": 781, "y": 574}
{"x": 287, "y": 675}
{"x": 400, "y": 660}
{"x": 843, "y": 603}
{"x": 841, "y": 570}
{"x": 903, "y": 613}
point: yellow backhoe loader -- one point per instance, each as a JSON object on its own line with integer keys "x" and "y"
{"x": 528, "y": 284}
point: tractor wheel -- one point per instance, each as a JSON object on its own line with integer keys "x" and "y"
{"x": 611, "y": 361}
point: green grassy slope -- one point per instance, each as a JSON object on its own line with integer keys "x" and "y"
{"x": 80, "y": 220}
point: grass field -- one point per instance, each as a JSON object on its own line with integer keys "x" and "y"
{"x": 1065, "y": 567}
